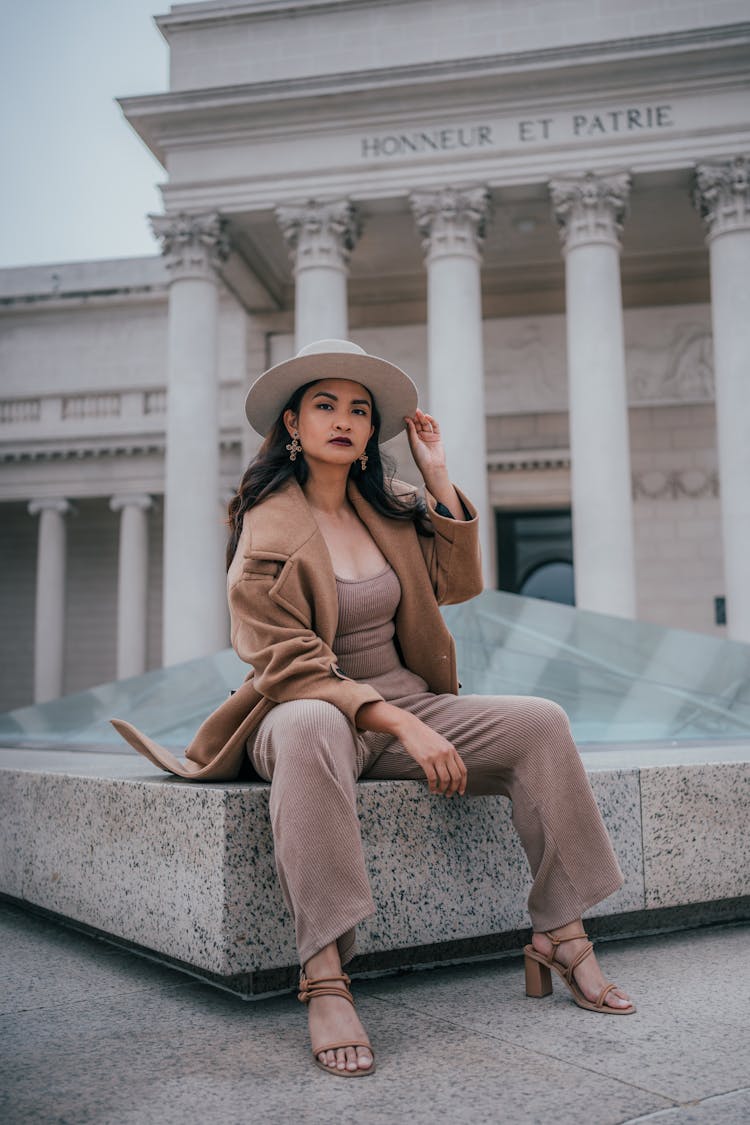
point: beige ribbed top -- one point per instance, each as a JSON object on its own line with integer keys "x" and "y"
{"x": 364, "y": 641}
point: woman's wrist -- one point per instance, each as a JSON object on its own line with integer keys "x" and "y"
{"x": 437, "y": 481}
{"x": 440, "y": 487}
{"x": 385, "y": 718}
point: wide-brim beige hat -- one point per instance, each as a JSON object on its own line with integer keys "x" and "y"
{"x": 394, "y": 392}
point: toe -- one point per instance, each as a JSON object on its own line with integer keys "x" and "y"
{"x": 618, "y": 999}
{"x": 364, "y": 1060}
{"x": 341, "y": 1059}
{"x": 329, "y": 1058}
{"x": 351, "y": 1058}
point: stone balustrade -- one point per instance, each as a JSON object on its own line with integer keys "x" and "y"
{"x": 104, "y": 414}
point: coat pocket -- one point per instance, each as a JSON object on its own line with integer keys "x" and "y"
{"x": 258, "y": 566}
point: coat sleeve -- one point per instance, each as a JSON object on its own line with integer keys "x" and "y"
{"x": 453, "y": 555}
{"x": 272, "y": 630}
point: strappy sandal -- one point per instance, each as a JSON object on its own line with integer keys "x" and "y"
{"x": 539, "y": 979}
{"x": 327, "y": 986}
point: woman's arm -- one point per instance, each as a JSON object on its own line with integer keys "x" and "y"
{"x": 426, "y": 444}
{"x": 452, "y": 555}
{"x": 442, "y": 766}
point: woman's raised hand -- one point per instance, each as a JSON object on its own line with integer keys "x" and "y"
{"x": 426, "y": 443}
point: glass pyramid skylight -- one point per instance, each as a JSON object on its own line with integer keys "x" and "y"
{"x": 619, "y": 681}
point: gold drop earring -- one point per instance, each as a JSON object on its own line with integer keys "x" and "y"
{"x": 294, "y": 447}
{"x": 363, "y": 461}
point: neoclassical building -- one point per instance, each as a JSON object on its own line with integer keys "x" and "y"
{"x": 541, "y": 211}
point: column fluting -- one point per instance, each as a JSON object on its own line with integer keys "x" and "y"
{"x": 132, "y": 583}
{"x": 452, "y": 223}
{"x": 194, "y": 575}
{"x": 321, "y": 236}
{"x": 49, "y": 622}
{"x": 722, "y": 195}
{"x": 589, "y": 210}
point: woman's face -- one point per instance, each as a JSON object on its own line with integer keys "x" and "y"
{"x": 334, "y": 421}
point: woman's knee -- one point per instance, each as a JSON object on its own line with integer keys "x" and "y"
{"x": 547, "y": 728}
{"x": 312, "y": 731}
{"x": 550, "y": 715}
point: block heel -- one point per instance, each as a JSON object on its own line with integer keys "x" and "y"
{"x": 538, "y": 977}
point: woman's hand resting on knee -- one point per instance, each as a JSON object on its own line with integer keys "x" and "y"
{"x": 438, "y": 758}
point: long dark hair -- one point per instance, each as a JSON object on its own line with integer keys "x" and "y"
{"x": 271, "y": 467}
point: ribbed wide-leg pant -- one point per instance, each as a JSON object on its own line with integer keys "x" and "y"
{"x": 518, "y": 746}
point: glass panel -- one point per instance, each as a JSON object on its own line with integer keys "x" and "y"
{"x": 169, "y": 704}
{"x": 619, "y": 681}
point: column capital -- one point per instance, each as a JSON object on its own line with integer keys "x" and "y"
{"x": 192, "y": 245}
{"x": 590, "y": 207}
{"x": 320, "y": 233}
{"x": 49, "y": 504}
{"x": 721, "y": 193}
{"x": 139, "y": 500}
{"x": 452, "y": 220}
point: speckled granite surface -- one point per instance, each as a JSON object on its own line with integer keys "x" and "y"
{"x": 696, "y": 832}
{"x": 188, "y": 871}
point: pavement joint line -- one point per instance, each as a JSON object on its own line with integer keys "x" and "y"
{"x": 541, "y": 1054}
{"x": 652, "y": 1114}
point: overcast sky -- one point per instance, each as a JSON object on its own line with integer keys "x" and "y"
{"x": 76, "y": 181}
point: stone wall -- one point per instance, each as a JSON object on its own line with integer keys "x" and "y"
{"x": 264, "y": 44}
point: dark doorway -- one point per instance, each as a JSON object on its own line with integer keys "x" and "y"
{"x": 535, "y": 554}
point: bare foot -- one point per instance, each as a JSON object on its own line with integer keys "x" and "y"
{"x": 587, "y": 975}
{"x": 333, "y": 1020}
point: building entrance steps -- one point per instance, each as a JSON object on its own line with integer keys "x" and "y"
{"x": 185, "y": 872}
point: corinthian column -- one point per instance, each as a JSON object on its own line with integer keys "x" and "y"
{"x": 132, "y": 583}
{"x": 590, "y": 210}
{"x": 194, "y": 581}
{"x": 320, "y": 236}
{"x": 722, "y": 195}
{"x": 49, "y": 622}
{"x": 452, "y": 223}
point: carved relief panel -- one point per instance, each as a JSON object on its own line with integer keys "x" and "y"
{"x": 668, "y": 355}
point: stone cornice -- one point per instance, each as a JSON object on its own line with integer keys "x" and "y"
{"x": 213, "y": 14}
{"x": 652, "y": 484}
{"x": 661, "y": 62}
{"x": 98, "y": 298}
{"x": 87, "y": 451}
{"x": 528, "y": 460}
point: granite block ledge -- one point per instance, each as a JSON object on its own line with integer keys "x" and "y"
{"x": 696, "y": 832}
{"x": 187, "y": 871}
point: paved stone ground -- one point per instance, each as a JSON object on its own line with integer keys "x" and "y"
{"x": 93, "y": 1034}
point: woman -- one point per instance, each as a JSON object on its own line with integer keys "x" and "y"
{"x": 334, "y": 579}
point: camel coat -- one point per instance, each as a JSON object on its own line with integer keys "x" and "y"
{"x": 284, "y": 613}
